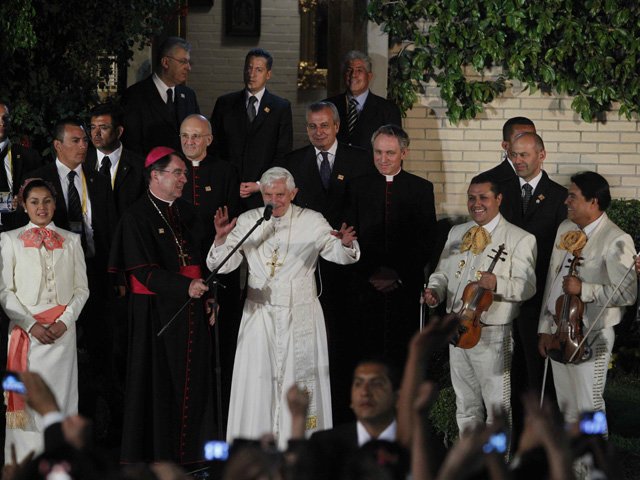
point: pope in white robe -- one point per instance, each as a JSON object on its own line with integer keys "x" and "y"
{"x": 282, "y": 339}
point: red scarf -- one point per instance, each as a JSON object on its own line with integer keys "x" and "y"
{"x": 38, "y": 236}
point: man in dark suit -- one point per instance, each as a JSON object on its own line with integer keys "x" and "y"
{"x": 393, "y": 213}
{"x": 120, "y": 166}
{"x": 343, "y": 164}
{"x": 374, "y": 394}
{"x": 323, "y": 186}
{"x": 156, "y": 106}
{"x": 512, "y": 127}
{"x": 84, "y": 204}
{"x": 252, "y": 128}
{"x": 16, "y": 162}
{"x": 360, "y": 110}
{"x": 535, "y": 203}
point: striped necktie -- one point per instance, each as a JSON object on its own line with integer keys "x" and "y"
{"x": 352, "y": 114}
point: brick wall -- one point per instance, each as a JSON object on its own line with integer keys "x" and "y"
{"x": 450, "y": 155}
{"x": 218, "y": 60}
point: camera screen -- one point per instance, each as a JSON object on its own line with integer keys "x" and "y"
{"x": 593, "y": 423}
{"x": 216, "y": 450}
{"x": 496, "y": 443}
{"x": 11, "y": 383}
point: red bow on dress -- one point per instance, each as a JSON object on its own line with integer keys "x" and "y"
{"x": 38, "y": 236}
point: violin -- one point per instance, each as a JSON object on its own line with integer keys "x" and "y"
{"x": 567, "y": 345}
{"x": 475, "y": 300}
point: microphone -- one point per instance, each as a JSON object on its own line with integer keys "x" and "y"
{"x": 268, "y": 211}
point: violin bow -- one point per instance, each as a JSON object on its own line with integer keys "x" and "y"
{"x": 606, "y": 305}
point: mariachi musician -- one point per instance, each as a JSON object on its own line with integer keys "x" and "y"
{"x": 605, "y": 284}
{"x": 480, "y": 375}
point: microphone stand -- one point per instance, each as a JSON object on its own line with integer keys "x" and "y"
{"x": 266, "y": 216}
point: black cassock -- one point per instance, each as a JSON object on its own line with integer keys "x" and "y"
{"x": 168, "y": 399}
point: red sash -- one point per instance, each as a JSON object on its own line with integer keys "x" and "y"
{"x": 17, "y": 362}
{"x": 189, "y": 271}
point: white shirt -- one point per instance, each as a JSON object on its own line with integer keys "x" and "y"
{"x": 258, "y": 96}
{"x": 80, "y": 182}
{"x": 533, "y": 182}
{"x": 332, "y": 154}
{"x": 388, "y": 433}
{"x": 360, "y": 99}
{"x": 114, "y": 157}
{"x": 163, "y": 87}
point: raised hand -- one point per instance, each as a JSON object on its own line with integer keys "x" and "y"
{"x": 346, "y": 235}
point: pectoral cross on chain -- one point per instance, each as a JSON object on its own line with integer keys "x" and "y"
{"x": 273, "y": 263}
{"x": 183, "y": 258}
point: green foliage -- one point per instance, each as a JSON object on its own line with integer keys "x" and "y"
{"x": 625, "y": 214}
{"x": 585, "y": 49}
{"x": 443, "y": 415}
{"x": 61, "y": 55}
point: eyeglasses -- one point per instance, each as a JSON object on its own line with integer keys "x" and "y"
{"x": 193, "y": 136}
{"x": 177, "y": 172}
{"x": 181, "y": 61}
{"x": 103, "y": 128}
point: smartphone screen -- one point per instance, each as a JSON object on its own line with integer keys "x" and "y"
{"x": 593, "y": 423}
{"x": 497, "y": 443}
{"x": 216, "y": 450}
{"x": 11, "y": 383}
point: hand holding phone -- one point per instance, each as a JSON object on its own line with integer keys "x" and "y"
{"x": 497, "y": 443}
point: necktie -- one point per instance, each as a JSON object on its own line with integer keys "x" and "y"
{"x": 325, "y": 170}
{"x": 352, "y": 114}
{"x": 170, "y": 99}
{"x": 74, "y": 210}
{"x": 476, "y": 239}
{"x": 251, "y": 109}
{"x": 105, "y": 167}
{"x": 527, "y": 190}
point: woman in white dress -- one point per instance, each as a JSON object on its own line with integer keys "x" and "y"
{"x": 43, "y": 287}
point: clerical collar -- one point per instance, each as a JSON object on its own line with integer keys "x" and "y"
{"x": 491, "y": 226}
{"x": 533, "y": 182}
{"x": 195, "y": 163}
{"x": 170, "y": 202}
{"x": 390, "y": 177}
{"x": 589, "y": 229}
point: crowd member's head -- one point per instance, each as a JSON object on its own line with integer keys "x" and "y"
{"x": 105, "y": 127}
{"x": 390, "y": 148}
{"x": 374, "y": 393}
{"x": 527, "y": 154}
{"x": 166, "y": 173}
{"x": 5, "y": 120}
{"x": 174, "y": 61}
{"x": 257, "y": 69}
{"x": 356, "y": 68}
{"x": 39, "y": 200}
{"x": 195, "y": 137}
{"x": 588, "y": 197}
{"x": 70, "y": 142}
{"x": 515, "y": 126}
{"x": 323, "y": 123}
{"x": 483, "y": 199}
{"x": 278, "y": 189}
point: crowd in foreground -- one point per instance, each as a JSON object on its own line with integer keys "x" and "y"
{"x": 384, "y": 408}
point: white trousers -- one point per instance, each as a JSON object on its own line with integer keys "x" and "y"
{"x": 481, "y": 377}
{"x": 579, "y": 388}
